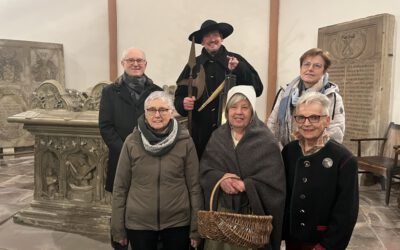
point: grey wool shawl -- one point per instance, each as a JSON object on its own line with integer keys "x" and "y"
{"x": 257, "y": 160}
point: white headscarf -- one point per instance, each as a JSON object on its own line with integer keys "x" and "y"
{"x": 245, "y": 90}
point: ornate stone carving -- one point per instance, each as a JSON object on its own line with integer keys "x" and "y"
{"x": 10, "y": 66}
{"x": 23, "y": 66}
{"x": 11, "y": 102}
{"x": 44, "y": 65}
{"x": 92, "y": 101}
{"x": 348, "y": 44}
{"x": 70, "y": 161}
{"x": 362, "y": 55}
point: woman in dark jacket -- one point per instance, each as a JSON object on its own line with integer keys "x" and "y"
{"x": 322, "y": 182}
{"x": 156, "y": 190}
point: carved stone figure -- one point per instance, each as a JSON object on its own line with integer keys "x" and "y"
{"x": 50, "y": 182}
{"x": 44, "y": 68}
{"x": 80, "y": 177}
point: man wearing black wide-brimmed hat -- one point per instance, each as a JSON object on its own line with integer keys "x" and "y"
{"x": 217, "y": 62}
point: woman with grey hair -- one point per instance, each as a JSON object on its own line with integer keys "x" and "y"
{"x": 244, "y": 149}
{"x": 156, "y": 192}
{"x": 322, "y": 183}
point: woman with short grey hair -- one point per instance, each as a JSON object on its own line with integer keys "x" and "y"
{"x": 156, "y": 191}
{"x": 321, "y": 182}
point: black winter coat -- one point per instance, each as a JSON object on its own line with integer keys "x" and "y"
{"x": 117, "y": 118}
{"x": 215, "y": 67}
{"x": 322, "y": 195}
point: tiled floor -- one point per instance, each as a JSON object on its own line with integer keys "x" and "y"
{"x": 378, "y": 226}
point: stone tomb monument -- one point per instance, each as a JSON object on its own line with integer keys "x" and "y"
{"x": 70, "y": 161}
{"x": 23, "y": 66}
{"x": 362, "y": 53}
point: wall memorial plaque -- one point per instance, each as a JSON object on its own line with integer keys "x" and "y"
{"x": 362, "y": 54}
{"x": 24, "y": 65}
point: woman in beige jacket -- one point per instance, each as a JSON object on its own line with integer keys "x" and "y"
{"x": 156, "y": 192}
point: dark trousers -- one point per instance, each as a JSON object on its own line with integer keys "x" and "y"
{"x": 296, "y": 245}
{"x": 176, "y": 238}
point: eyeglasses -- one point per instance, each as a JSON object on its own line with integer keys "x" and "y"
{"x": 311, "y": 118}
{"x": 153, "y": 111}
{"x": 139, "y": 61}
{"x": 307, "y": 65}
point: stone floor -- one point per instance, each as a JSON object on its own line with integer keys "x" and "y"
{"x": 378, "y": 226}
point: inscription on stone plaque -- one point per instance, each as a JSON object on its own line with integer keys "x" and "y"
{"x": 24, "y": 65}
{"x": 12, "y": 103}
{"x": 362, "y": 60}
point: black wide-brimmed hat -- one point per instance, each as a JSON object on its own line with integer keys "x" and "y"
{"x": 210, "y": 25}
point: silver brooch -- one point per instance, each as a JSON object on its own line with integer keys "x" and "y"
{"x": 327, "y": 163}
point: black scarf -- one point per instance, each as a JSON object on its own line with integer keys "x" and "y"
{"x": 135, "y": 85}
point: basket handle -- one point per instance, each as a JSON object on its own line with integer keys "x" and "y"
{"x": 216, "y": 186}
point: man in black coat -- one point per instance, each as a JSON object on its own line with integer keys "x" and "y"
{"x": 217, "y": 63}
{"x": 122, "y": 102}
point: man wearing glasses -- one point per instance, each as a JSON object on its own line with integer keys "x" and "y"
{"x": 217, "y": 62}
{"x": 314, "y": 77}
{"x": 121, "y": 105}
{"x": 321, "y": 182}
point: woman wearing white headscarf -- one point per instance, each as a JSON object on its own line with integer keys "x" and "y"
{"x": 245, "y": 148}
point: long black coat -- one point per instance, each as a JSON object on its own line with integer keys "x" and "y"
{"x": 215, "y": 67}
{"x": 322, "y": 195}
{"x": 117, "y": 117}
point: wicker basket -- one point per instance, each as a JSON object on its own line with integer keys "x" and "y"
{"x": 245, "y": 230}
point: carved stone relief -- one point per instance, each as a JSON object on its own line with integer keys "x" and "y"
{"x": 93, "y": 96}
{"x": 50, "y": 176}
{"x": 23, "y": 66}
{"x": 362, "y": 54}
{"x": 71, "y": 168}
{"x": 70, "y": 161}
{"x": 10, "y": 65}
{"x": 11, "y": 102}
{"x": 44, "y": 65}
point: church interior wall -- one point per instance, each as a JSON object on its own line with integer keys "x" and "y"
{"x": 81, "y": 26}
{"x": 298, "y": 31}
{"x": 161, "y": 28}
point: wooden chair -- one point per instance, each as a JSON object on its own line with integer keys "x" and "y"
{"x": 386, "y": 164}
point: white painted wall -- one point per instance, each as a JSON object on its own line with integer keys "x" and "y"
{"x": 161, "y": 29}
{"x": 81, "y": 26}
{"x": 298, "y": 32}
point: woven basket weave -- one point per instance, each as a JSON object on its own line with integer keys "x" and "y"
{"x": 245, "y": 230}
